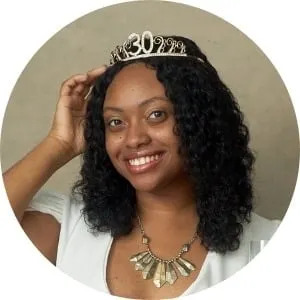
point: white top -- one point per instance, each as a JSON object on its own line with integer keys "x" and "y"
{"x": 83, "y": 256}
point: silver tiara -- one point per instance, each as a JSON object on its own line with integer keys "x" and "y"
{"x": 164, "y": 47}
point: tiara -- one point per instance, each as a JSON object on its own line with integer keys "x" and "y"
{"x": 144, "y": 45}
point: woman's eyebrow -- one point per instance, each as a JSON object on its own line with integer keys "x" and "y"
{"x": 141, "y": 104}
{"x": 152, "y": 99}
{"x": 117, "y": 109}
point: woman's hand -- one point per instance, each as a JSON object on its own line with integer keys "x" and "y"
{"x": 67, "y": 128}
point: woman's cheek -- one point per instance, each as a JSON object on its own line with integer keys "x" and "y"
{"x": 113, "y": 145}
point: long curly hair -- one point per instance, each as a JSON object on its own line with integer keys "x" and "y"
{"x": 214, "y": 145}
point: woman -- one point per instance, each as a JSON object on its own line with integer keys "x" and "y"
{"x": 163, "y": 207}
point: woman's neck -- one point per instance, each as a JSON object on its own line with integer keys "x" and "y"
{"x": 174, "y": 205}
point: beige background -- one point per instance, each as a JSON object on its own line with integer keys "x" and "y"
{"x": 87, "y": 42}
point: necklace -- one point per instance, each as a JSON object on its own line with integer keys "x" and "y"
{"x": 163, "y": 272}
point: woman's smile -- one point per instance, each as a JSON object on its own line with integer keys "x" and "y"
{"x": 145, "y": 163}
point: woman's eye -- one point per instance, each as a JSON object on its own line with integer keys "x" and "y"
{"x": 114, "y": 123}
{"x": 158, "y": 114}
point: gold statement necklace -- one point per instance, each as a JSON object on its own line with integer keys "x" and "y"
{"x": 163, "y": 272}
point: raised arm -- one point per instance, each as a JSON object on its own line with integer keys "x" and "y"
{"x": 63, "y": 142}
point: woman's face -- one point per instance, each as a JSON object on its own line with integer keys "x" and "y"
{"x": 139, "y": 123}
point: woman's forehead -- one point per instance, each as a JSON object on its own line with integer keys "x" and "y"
{"x": 135, "y": 82}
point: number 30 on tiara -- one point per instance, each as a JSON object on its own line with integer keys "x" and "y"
{"x": 140, "y": 43}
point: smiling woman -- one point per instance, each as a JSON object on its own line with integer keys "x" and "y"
{"x": 163, "y": 207}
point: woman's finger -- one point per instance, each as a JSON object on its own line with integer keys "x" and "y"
{"x": 94, "y": 73}
{"x": 79, "y": 89}
{"x": 71, "y": 85}
{"x": 68, "y": 85}
{"x": 78, "y": 98}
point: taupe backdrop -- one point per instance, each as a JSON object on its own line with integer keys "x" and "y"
{"x": 87, "y": 42}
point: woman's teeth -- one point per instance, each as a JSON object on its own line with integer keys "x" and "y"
{"x": 143, "y": 160}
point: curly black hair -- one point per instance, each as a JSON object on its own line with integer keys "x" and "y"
{"x": 214, "y": 145}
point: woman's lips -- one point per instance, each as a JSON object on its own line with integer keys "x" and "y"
{"x": 145, "y": 167}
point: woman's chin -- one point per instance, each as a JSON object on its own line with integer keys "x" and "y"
{"x": 145, "y": 186}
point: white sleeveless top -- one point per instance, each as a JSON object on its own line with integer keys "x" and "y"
{"x": 83, "y": 256}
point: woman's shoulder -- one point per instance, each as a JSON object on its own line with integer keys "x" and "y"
{"x": 56, "y": 204}
{"x": 260, "y": 228}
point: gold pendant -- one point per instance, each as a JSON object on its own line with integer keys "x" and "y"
{"x": 162, "y": 272}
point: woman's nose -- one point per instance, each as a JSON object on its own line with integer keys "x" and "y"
{"x": 137, "y": 136}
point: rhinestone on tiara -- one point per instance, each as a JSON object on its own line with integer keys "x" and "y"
{"x": 141, "y": 46}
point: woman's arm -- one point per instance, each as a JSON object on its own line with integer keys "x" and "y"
{"x": 64, "y": 142}
{"x": 23, "y": 180}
